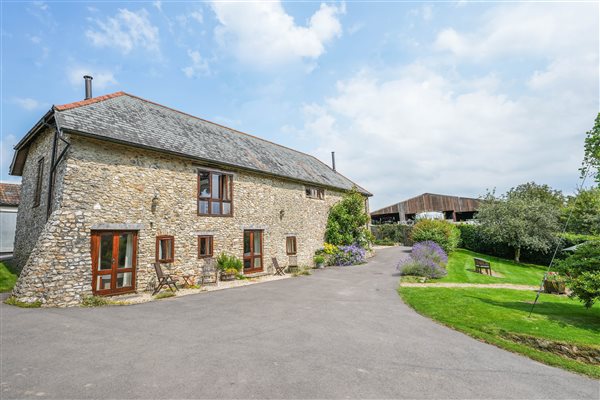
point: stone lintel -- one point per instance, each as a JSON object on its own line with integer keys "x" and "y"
{"x": 117, "y": 227}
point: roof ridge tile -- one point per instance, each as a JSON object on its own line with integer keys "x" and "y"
{"x": 93, "y": 100}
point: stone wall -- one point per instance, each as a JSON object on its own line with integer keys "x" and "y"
{"x": 106, "y": 183}
{"x": 31, "y": 220}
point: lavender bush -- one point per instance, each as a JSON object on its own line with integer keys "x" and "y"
{"x": 348, "y": 255}
{"x": 427, "y": 259}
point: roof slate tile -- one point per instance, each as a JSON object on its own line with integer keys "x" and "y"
{"x": 129, "y": 119}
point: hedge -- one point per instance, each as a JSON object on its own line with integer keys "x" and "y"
{"x": 472, "y": 238}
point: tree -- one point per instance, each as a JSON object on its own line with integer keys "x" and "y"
{"x": 585, "y": 212}
{"x": 592, "y": 149}
{"x": 533, "y": 191}
{"x": 519, "y": 222}
{"x": 582, "y": 272}
{"x": 346, "y": 224}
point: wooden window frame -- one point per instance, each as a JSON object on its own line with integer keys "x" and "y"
{"x": 158, "y": 240}
{"x": 209, "y": 199}
{"x": 295, "y": 245}
{"x": 314, "y": 192}
{"x": 212, "y": 241}
{"x": 37, "y": 194}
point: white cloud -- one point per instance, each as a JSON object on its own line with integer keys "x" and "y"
{"x": 102, "y": 78}
{"x": 157, "y": 5}
{"x": 199, "y": 65}
{"x": 530, "y": 29}
{"x": 263, "y": 34}
{"x": 125, "y": 31}
{"x": 197, "y": 15}
{"x": 28, "y": 103}
{"x": 426, "y": 128}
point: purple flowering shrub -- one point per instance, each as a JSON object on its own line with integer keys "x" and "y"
{"x": 427, "y": 259}
{"x": 348, "y": 255}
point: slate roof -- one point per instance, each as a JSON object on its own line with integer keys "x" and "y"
{"x": 10, "y": 194}
{"x": 135, "y": 121}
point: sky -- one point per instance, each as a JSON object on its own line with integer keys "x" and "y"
{"x": 445, "y": 97}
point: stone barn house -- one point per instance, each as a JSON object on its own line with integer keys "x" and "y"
{"x": 112, "y": 184}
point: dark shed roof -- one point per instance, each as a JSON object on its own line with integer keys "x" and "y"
{"x": 131, "y": 120}
{"x": 430, "y": 202}
{"x": 10, "y": 194}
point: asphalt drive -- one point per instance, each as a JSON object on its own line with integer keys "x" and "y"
{"x": 340, "y": 333}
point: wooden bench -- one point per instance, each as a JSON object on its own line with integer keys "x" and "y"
{"x": 482, "y": 265}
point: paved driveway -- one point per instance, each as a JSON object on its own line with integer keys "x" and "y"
{"x": 342, "y": 332}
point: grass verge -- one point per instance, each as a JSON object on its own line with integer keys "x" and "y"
{"x": 7, "y": 278}
{"x": 492, "y": 315}
{"x": 164, "y": 295}
{"x": 14, "y": 302}
{"x": 461, "y": 269}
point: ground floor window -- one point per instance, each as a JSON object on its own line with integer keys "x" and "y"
{"x": 290, "y": 245}
{"x": 165, "y": 249}
{"x": 205, "y": 246}
{"x": 253, "y": 251}
{"x": 114, "y": 256}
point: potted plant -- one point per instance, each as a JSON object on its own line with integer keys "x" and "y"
{"x": 319, "y": 260}
{"x": 229, "y": 267}
{"x": 554, "y": 283}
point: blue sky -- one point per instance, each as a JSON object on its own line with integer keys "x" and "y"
{"x": 446, "y": 97}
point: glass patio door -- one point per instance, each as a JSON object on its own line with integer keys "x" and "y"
{"x": 114, "y": 256}
{"x": 253, "y": 249}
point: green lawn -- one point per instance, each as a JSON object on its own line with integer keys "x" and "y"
{"x": 7, "y": 279}
{"x": 488, "y": 314}
{"x": 461, "y": 269}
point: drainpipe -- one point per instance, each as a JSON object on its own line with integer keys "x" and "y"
{"x": 54, "y": 162}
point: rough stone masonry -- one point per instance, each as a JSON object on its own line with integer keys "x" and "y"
{"x": 99, "y": 182}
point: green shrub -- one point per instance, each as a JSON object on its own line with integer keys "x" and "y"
{"x": 226, "y": 262}
{"x": 443, "y": 233}
{"x": 347, "y": 220}
{"x": 12, "y": 300}
{"x": 164, "y": 295}
{"x": 572, "y": 239}
{"x": 582, "y": 269}
{"x": 319, "y": 259}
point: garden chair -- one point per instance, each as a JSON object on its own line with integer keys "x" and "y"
{"x": 210, "y": 273}
{"x": 163, "y": 279}
{"x": 482, "y": 265}
{"x": 279, "y": 270}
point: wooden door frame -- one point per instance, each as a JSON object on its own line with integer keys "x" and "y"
{"x": 252, "y": 256}
{"x": 95, "y": 246}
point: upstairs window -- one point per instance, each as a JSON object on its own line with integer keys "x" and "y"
{"x": 37, "y": 194}
{"x": 315, "y": 192}
{"x": 214, "y": 193}
{"x": 205, "y": 246}
{"x": 290, "y": 245}
{"x": 165, "y": 249}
